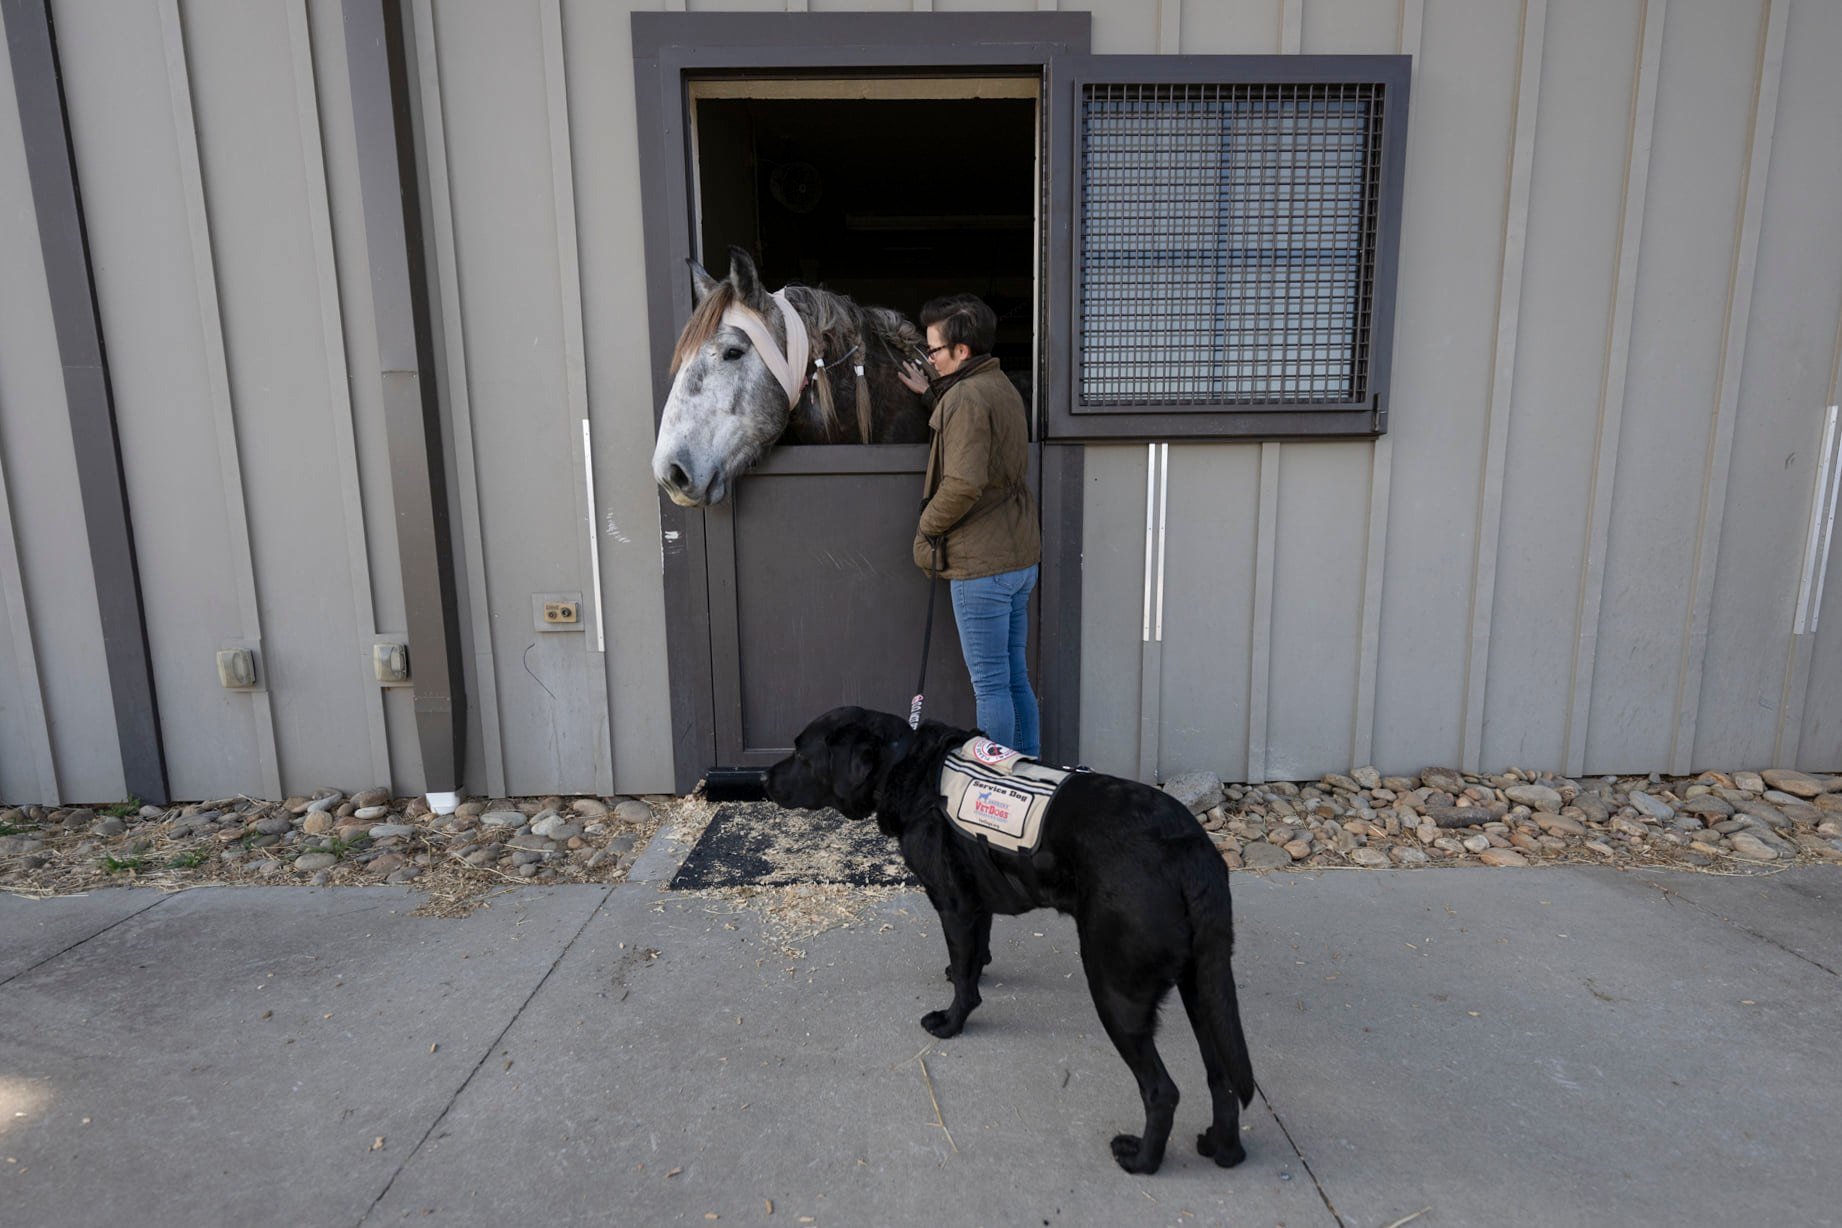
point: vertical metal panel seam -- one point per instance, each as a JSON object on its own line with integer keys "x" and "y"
{"x": 1260, "y": 652}
{"x": 575, "y": 363}
{"x": 338, "y": 382}
{"x": 1381, "y": 480}
{"x": 88, "y": 398}
{"x": 25, "y": 655}
{"x": 1413, "y": 22}
{"x": 1151, "y": 647}
{"x": 1503, "y": 374}
{"x": 217, "y": 381}
{"x": 1150, "y": 665}
{"x": 390, "y": 181}
{"x": 1260, "y": 645}
{"x": 1694, "y": 656}
{"x": 459, "y": 402}
{"x": 1642, "y": 126}
{"x": 1787, "y": 739}
{"x": 19, "y": 614}
{"x": 1170, "y": 27}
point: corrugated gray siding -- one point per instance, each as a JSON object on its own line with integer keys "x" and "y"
{"x": 1578, "y": 547}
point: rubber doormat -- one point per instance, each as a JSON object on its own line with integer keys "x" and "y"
{"x": 757, "y": 844}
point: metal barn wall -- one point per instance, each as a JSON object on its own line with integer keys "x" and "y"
{"x": 52, "y": 673}
{"x": 215, "y": 148}
{"x": 1579, "y": 546}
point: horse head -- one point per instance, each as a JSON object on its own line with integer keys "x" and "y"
{"x": 729, "y": 400}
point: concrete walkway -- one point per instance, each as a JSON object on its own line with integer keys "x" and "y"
{"x": 1567, "y": 1046}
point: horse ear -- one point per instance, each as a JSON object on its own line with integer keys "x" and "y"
{"x": 701, "y": 282}
{"x": 746, "y": 280}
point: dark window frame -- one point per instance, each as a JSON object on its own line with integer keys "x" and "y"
{"x": 1064, "y": 418}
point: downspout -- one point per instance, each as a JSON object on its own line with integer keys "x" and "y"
{"x": 378, "y": 67}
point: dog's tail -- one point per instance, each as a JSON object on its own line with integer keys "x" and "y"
{"x": 1212, "y": 946}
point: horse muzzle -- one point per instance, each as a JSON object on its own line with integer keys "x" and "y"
{"x": 686, "y": 483}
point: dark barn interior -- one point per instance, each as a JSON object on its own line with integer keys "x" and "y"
{"x": 891, "y": 201}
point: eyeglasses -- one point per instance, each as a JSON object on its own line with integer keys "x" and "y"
{"x": 930, "y": 351}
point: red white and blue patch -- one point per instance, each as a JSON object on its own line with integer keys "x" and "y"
{"x": 991, "y": 753}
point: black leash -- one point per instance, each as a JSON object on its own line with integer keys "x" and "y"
{"x": 927, "y": 642}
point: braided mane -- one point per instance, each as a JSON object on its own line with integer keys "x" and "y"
{"x": 844, "y": 333}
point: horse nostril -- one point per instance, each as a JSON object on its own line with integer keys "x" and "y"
{"x": 677, "y": 478}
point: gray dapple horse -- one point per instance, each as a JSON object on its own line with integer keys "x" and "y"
{"x": 741, "y": 383}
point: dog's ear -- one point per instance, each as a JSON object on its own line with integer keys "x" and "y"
{"x": 854, "y": 759}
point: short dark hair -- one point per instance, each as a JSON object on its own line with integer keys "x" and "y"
{"x": 964, "y": 319}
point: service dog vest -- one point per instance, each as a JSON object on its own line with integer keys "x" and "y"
{"x": 994, "y": 794}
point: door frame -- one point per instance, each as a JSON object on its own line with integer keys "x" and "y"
{"x": 667, "y": 47}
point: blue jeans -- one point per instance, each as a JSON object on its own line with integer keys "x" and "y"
{"x": 993, "y": 613}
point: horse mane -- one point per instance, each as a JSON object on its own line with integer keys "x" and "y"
{"x": 703, "y": 322}
{"x": 844, "y": 332}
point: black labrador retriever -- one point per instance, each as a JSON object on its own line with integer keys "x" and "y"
{"x": 1147, "y": 890}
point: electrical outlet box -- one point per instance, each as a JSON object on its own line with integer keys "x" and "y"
{"x": 556, "y": 611}
{"x": 390, "y": 661}
{"x": 236, "y": 669}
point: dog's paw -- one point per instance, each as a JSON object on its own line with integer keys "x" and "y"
{"x": 942, "y": 1023}
{"x": 1225, "y": 1157}
{"x": 1129, "y": 1150}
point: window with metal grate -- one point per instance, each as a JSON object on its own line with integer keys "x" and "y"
{"x": 1230, "y": 245}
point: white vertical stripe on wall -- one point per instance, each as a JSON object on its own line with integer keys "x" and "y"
{"x": 1612, "y": 392}
{"x": 575, "y": 373}
{"x": 1794, "y": 693}
{"x": 338, "y": 384}
{"x": 1733, "y": 350}
{"x": 31, "y": 696}
{"x": 1503, "y": 371}
{"x": 1170, "y": 27}
{"x": 459, "y": 402}
{"x": 217, "y": 381}
{"x": 1291, "y": 26}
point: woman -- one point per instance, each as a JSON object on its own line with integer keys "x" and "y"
{"x": 978, "y": 526}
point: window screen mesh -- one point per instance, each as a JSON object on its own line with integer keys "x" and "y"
{"x": 1227, "y": 243}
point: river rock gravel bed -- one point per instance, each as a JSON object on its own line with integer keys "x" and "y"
{"x": 326, "y": 838}
{"x": 1714, "y": 821}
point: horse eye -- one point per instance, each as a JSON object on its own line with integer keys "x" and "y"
{"x": 732, "y": 353}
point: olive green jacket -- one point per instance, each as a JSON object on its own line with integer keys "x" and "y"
{"x": 979, "y": 518}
